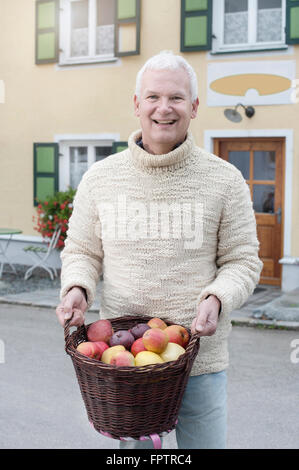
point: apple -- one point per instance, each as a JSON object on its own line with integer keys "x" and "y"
{"x": 139, "y": 329}
{"x": 100, "y": 330}
{"x": 109, "y": 353}
{"x": 155, "y": 340}
{"x": 157, "y": 323}
{"x": 172, "y": 352}
{"x": 100, "y": 347}
{"x": 123, "y": 337}
{"x": 137, "y": 346}
{"x": 123, "y": 358}
{"x": 87, "y": 348}
{"x": 145, "y": 358}
{"x": 177, "y": 334}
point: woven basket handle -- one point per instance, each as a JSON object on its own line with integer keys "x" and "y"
{"x": 195, "y": 337}
{"x": 67, "y": 331}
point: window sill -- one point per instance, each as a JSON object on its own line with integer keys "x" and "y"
{"x": 240, "y": 51}
{"x": 71, "y": 62}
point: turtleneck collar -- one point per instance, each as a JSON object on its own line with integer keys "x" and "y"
{"x": 172, "y": 160}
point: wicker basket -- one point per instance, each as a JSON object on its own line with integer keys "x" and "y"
{"x": 130, "y": 402}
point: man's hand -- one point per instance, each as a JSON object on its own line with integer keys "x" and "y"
{"x": 73, "y": 305}
{"x": 206, "y": 320}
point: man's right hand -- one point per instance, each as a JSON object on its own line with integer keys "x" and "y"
{"x": 73, "y": 306}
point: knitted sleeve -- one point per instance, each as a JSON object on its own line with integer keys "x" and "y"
{"x": 238, "y": 264}
{"x": 82, "y": 255}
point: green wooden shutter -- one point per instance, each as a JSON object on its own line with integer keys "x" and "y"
{"x": 196, "y": 25}
{"x": 46, "y": 31}
{"x": 292, "y": 22}
{"x": 119, "y": 146}
{"x": 127, "y": 27}
{"x": 45, "y": 165}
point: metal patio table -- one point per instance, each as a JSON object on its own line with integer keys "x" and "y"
{"x": 3, "y": 247}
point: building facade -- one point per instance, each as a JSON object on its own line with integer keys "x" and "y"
{"x": 67, "y": 79}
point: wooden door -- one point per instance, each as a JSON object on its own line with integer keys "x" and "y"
{"x": 261, "y": 161}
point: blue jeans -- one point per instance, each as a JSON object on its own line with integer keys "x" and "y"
{"x": 202, "y": 417}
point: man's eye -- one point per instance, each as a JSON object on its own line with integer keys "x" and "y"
{"x": 152, "y": 97}
{"x": 177, "y": 98}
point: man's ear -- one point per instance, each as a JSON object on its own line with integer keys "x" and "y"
{"x": 136, "y": 106}
{"x": 195, "y": 105}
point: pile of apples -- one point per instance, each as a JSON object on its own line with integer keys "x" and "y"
{"x": 146, "y": 343}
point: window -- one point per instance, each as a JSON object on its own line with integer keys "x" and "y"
{"x": 84, "y": 31}
{"x": 87, "y": 30}
{"x": 98, "y": 30}
{"x": 56, "y": 166}
{"x": 77, "y": 156}
{"x": 248, "y": 24}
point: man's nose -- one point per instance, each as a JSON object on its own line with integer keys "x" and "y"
{"x": 164, "y": 105}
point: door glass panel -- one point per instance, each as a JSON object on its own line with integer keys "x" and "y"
{"x": 241, "y": 160}
{"x": 263, "y": 198}
{"x": 78, "y": 165}
{"x": 264, "y": 165}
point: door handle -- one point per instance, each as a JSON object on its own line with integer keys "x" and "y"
{"x": 278, "y": 213}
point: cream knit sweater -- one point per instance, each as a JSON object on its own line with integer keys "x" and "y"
{"x": 165, "y": 231}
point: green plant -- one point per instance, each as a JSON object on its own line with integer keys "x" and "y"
{"x": 53, "y": 211}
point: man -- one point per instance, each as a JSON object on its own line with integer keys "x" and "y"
{"x": 172, "y": 229}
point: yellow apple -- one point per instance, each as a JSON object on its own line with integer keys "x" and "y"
{"x": 172, "y": 352}
{"x": 145, "y": 358}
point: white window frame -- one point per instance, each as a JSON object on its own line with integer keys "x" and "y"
{"x": 66, "y": 142}
{"x": 65, "y": 57}
{"x": 218, "y": 30}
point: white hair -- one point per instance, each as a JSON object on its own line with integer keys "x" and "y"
{"x": 167, "y": 60}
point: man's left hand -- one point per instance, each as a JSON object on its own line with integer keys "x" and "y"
{"x": 206, "y": 320}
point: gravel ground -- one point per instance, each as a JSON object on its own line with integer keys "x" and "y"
{"x": 11, "y": 283}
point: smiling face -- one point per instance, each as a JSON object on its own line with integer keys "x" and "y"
{"x": 164, "y": 109}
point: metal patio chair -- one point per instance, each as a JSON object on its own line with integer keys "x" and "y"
{"x": 40, "y": 256}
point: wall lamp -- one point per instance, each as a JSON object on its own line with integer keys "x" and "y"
{"x": 234, "y": 116}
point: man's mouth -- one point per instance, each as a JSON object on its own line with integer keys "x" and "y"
{"x": 164, "y": 122}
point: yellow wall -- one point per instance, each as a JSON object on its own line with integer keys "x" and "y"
{"x": 44, "y": 100}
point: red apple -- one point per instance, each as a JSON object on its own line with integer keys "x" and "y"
{"x": 110, "y": 353}
{"x": 137, "y": 346}
{"x": 123, "y": 358}
{"x": 100, "y": 347}
{"x": 100, "y": 330}
{"x": 157, "y": 323}
{"x": 155, "y": 340}
{"x": 177, "y": 334}
{"x": 87, "y": 348}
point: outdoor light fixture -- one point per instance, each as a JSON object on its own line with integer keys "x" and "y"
{"x": 234, "y": 116}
